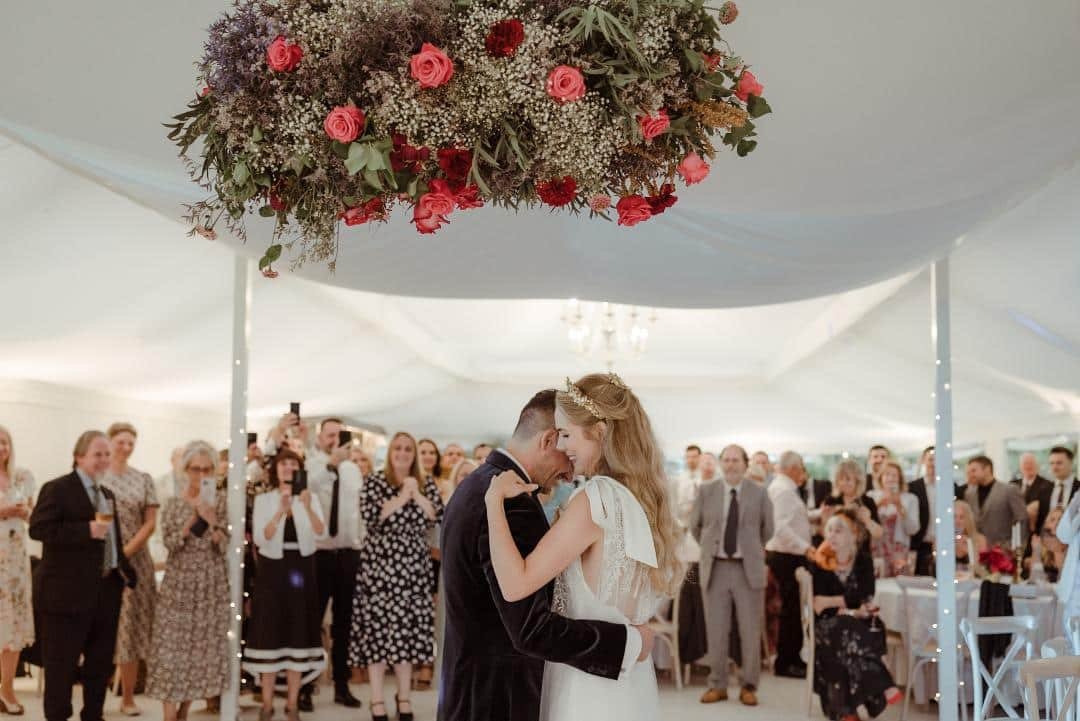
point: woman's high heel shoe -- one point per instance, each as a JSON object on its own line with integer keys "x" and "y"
{"x": 403, "y": 715}
{"x": 11, "y": 709}
{"x": 378, "y": 717}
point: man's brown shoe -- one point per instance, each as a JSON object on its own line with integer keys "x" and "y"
{"x": 747, "y": 696}
{"x": 713, "y": 695}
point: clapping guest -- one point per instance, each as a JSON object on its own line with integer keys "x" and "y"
{"x": 393, "y": 614}
{"x": 16, "y": 612}
{"x": 189, "y": 652}
{"x": 136, "y": 510}
{"x": 286, "y": 632}
{"x": 898, "y": 512}
{"x": 849, "y": 667}
{"x": 875, "y": 461}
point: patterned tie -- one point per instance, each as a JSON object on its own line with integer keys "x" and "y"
{"x": 731, "y": 529}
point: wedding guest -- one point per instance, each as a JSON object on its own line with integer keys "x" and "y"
{"x": 480, "y": 452}
{"x": 430, "y": 458}
{"x": 1068, "y": 586}
{"x": 189, "y": 650}
{"x": 924, "y": 488}
{"x": 452, "y": 455}
{"x": 849, "y": 666}
{"x": 16, "y": 611}
{"x": 431, "y": 465}
{"x": 997, "y": 506}
{"x": 761, "y": 458}
{"x": 286, "y": 632}
{"x": 1047, "y": 551}
{"x": 136, "y": 509}
{"x": 787, "y": 551}
{"x": 362, "y": 459}
{"x": 969, "y": 542}
{"x": 80, "y": 579}
{"x": 875, "y": 461}
{"x": 1066, "y": 485}
{"x": 848, "y": 491}
{"x": 337, "y": 482}
{"x": 166, "y": 486}
{"x": 898, "y": 513}
{"x": 732, "y": 520}
{"x": 757, "y": 473}
{"x": 393, "y": 613}
{"x": 457, "y": 474}
{"x": 1037, "y": 491}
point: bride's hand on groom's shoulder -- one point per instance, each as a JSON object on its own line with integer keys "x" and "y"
{"x": 507, "y": 485}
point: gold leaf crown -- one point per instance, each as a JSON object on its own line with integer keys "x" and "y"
{"x": 579, "y": 398}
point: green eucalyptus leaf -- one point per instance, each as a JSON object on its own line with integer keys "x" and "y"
{"x": 267, "y": 212}
{"x": 357, "y": 159}
{"x": 756, "y": 106}
{"x": 240, "y": 173}
{"x": 745, "y": 147}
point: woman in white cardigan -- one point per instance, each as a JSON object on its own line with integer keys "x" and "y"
{"x": 285, "y": 633}
{"x": 1068, "y": 586}
{"x": 898, "y": 514}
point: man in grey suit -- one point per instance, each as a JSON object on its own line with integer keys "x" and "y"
{"x": 732, "y": 519}
{"x": 997, "y": 505}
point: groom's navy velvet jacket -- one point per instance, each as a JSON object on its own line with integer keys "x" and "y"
{"x": 494, "y": 651}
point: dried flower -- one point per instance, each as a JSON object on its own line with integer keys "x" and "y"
{"x": 558, "y": 191}
{"x": 599, "y": 203}
{"x": 208, "y": 233}
{"x": 728, "y": 12}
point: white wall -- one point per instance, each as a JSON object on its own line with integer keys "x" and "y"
{"x": 45, "y": 420}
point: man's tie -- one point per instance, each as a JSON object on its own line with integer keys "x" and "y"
{"x": 803, "y": 493}
{"x": 731, "y": 527}
{"x": 1059, "y": 493}
{"x": 334, "y": 503}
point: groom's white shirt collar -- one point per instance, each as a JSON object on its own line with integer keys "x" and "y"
{"x": 516, "y": 462}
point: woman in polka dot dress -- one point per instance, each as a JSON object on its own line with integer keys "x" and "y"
{"x": 393, "y": 614}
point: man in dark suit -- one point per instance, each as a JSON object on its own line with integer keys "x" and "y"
{"x": 923, "y": 490}
{"x": 998, "y": 506}
{"x": 494, "y": 650}
{"x": 1066, "y": 484}
{"x": 80, "y": 580}
{"x": 1036, "y": 490}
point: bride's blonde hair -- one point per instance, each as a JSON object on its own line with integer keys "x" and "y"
{"x": 630, "y": 455}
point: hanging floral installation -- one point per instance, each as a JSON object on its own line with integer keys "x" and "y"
{"x": 324, "y": 114}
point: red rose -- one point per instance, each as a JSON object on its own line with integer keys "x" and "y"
{"x": 373, "y": 209}
{"x": 277, "y": 203}
{"x": 633, "y": 209}
{"x": 469, "y": 197}
{"x": 504, "y": 37}
{"x": 728, "y": 12}
{"x": 344, "y": 123}
{"x": 566, "y": 84}
{"x": 748, "y": 85}
{"x": 283, "y": 56}
{"x": 406, "y": 157}
{"x": 693, "y": 169}
{"x": 712, "y": 61}
{"x": 455, "y": 162}
{"x": 205, "y": 91}
{"x": 663, "y": 200}
{"x": 557, "y": 192}
{"x": 269, "y": 272}
{"x": 431, "y": 66}
{"x": 431, "y": 210}
{"x": 654, "y": 125}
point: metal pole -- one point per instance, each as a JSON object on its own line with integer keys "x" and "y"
{"x": 941, "y": 331}
{"x": 237, "y": 493}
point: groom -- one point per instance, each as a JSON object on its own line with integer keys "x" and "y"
{"x": 494, "y": 651}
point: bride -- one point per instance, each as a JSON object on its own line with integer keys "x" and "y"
{"x": 612, "y": 551}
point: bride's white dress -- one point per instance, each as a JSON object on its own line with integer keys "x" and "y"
{"x": 624, "y": 595}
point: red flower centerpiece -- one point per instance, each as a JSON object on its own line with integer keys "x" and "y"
{"x": 997, "y": 561}
{"x": 431, "y": 67}
{"x": 344, "y": 123}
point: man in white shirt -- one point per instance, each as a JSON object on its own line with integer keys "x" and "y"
{"x": 1066, "y": 484}
{"x": 733, "y": 519}
{"x": 761, "y": 458}
{"x": 788, "y": 550}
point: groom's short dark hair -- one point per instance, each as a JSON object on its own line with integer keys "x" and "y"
{"x": 537, "y": 416}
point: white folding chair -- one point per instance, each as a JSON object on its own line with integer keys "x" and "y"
{"x": 1027, "y": 594}
{"x": 1022, "y": 629}
{"x": 1072, "y": 627}
{"x": 1047, "y": 669}
{"x": 926, "y": 652}
{"x": 667, "y": 630}
{"x": 806, "y": 611}
{"x": 1054, "y": 689}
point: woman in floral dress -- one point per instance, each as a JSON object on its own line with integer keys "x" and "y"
{"x": 16, "y": 613}
{"x": 136, "y": 509}
{"x": 393, "y": 613}
{"x": 189, "y": 648}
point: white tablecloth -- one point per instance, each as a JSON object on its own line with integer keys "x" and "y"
{"x": 924, "y": 608}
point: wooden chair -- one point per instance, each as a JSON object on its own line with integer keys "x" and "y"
{"x": 1022, "y": 629}
{"x": 1047, "y": 669}
{"x": 806, "y": 608}
{"x": 667, "y": 630}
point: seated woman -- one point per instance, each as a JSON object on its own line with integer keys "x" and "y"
{"x": 849, "y": 665}
{"x": 969, "y": 542}
{"x": 1047, "y": 551}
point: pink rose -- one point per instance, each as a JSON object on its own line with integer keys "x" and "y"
{"x": 654, "y": 125}
{"x": 344, "y": 123}
{"x": 431, "y": 210}
{"x": 566, "y": 84}
{"x": 633, "y": 209}
{"x": 431, "y": 67}
{"x": 748, "y": 85}
{"x": 693, "y": 169}
{"x": 269, "y": 272}
{"x": 283, "y": 56}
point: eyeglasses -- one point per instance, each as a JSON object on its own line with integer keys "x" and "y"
{"x": 201, "y": 469}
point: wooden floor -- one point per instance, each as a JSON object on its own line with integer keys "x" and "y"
{"x": 781, "y": 700}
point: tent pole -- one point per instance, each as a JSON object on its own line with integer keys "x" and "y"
{"x": 941, "y": 331}
{"x": 237, "y": 492}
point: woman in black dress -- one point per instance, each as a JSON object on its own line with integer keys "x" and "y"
{"x": 286, "y": 634}
{"x": 849, "y": 664}
{"x": 393, "y": 613}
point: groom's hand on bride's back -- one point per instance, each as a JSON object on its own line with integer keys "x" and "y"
{"x": 648, "y": 639}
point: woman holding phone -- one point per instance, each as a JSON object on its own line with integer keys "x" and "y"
{"x": 16, "y": 615}
{"x": 189, "y": 647}
{"x": 286, "y": 632}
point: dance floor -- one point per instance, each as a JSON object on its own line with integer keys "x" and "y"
{"x": 781, "y": 700}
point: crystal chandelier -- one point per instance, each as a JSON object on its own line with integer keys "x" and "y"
{"x": 607, "y": 331}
